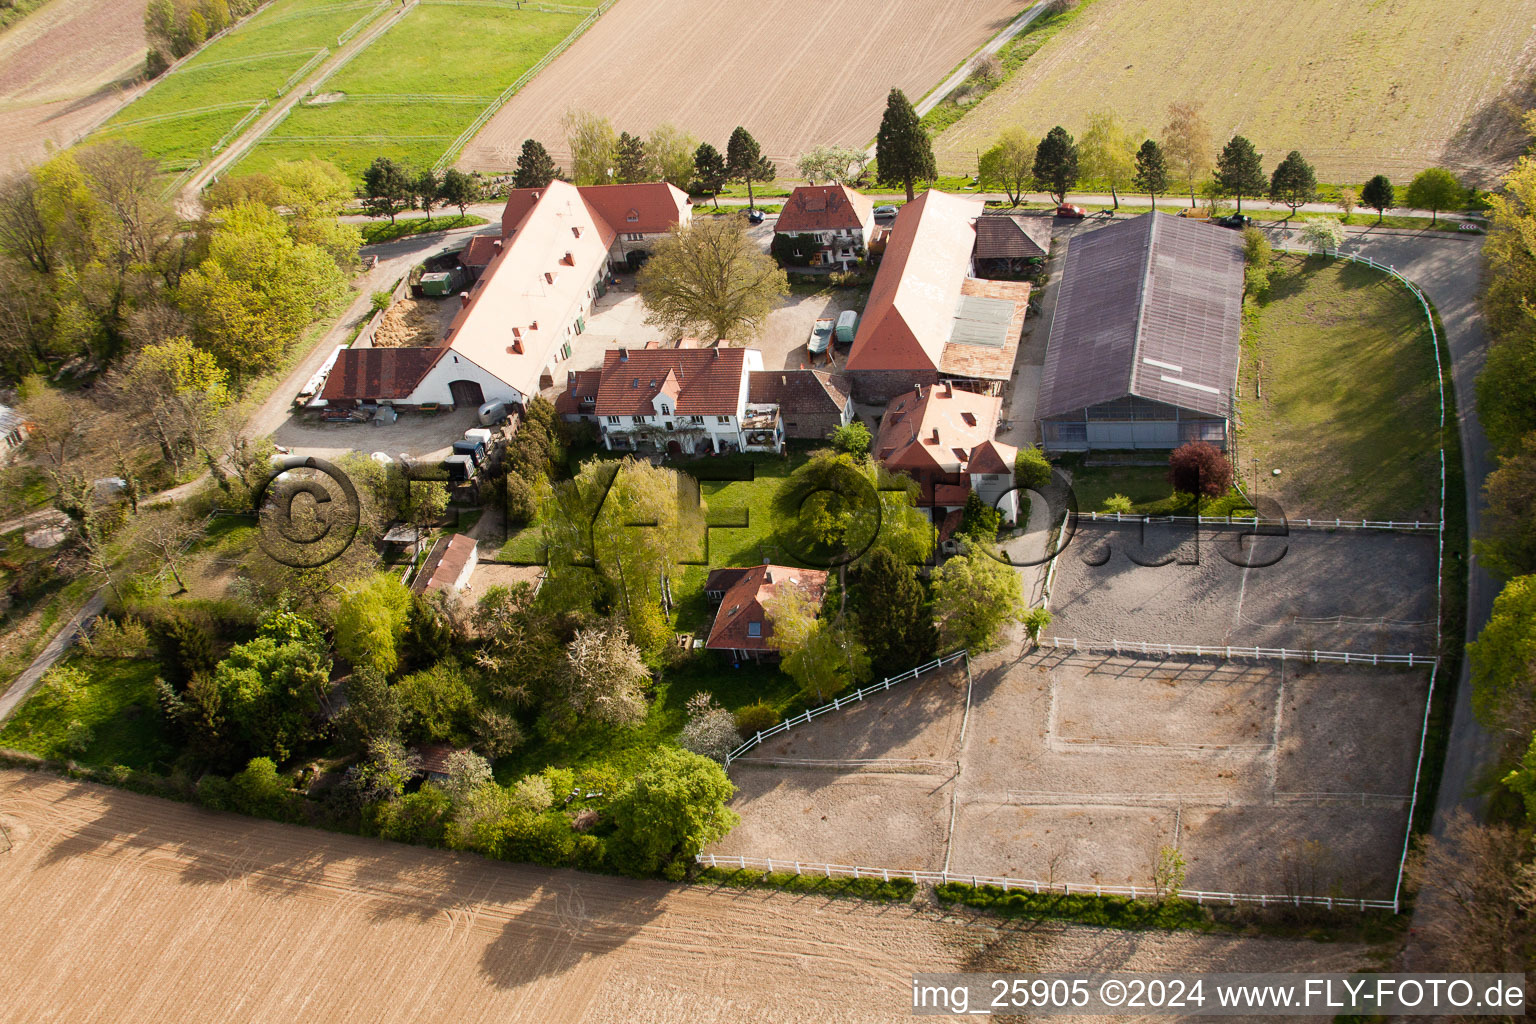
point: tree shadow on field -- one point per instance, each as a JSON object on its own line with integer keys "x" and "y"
{"x": 567, "y": 920}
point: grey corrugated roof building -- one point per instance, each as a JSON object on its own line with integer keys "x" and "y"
{"x": 1143, "y": 349}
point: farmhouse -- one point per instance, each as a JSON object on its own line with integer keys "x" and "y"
{"x": 812, "y": 403}
{"x": 942, "y": 437}
{"x": 532, "y": 296}
{"x": 683, "y": 401}
{"x": 838, "y": 219}
{"x": 928, "y": 318}
{"x": 742, "y": 625}
{"x": 1143, "y": 349}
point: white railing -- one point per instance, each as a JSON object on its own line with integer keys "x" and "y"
{"x": 298, "y": 76}
{"x": 357, "y": 25}
{"x": 1135, "y": 892}
{"x": 481, "y": 119}
{"x": 239, "y": 127}
{"x": 838, "y": 703}
{"x": 1050, "y": 574}
{"x": 1256, "y": 521}
{"x": 1232, "y": 651}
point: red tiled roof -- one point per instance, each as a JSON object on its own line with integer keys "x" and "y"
{"x": 580, "y": 384}
{"x": 825, "y": 208}
{"x": 480, "y": 251}
{"x": 442, "y": 568}
{"x": 992, "y": 457}
{"x": 922, "y": 433}
{"x": 378, "y": 372}
{"x": 799, "y": 391}
{"x": 434, "y": 756}
{"x": 709, "y": 380}
{"x": 744, "y": 604}
{"x": 654, "y": 205}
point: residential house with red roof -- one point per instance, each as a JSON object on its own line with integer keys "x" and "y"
{"x": 678, "y": 400}
{"x": 943, "y": 437}
{"x": 743, "y": 625}
{"x": 533, "y": 296}
{"x": 928, "y": 316}
{"x": 812, "y": 403}
{"x": 840, "y": 219}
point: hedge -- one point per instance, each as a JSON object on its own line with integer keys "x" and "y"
{"x": 1104, "y": 911}
{"x": 897, "y": 890}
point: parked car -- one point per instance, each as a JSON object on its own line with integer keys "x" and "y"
{"x": 755, "y": 216}
{"x": 1195, "y": 213}
{"x": 882, "y": 212}
{"x": 1235, "y": 221}
{"x": 1071, "y": 211}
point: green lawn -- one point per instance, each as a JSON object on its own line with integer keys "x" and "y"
{"x": 417, "y": 87}
{"x": 191, "y": 109}
{"x": 1146, "y": 486}
{"x": 118, "y": 705}
{"x": 384, "y": 231}
{"x": 1350, "y": 411}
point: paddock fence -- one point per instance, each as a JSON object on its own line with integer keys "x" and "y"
{"x": 1264, "y": 521}
{"x": 1233, "y": 651}
{"x": 1135, "y": 892}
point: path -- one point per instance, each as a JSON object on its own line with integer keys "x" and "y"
{"x": 963, "y": 72}
{"x": 62, "y": 641}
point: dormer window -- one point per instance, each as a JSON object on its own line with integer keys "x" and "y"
{"x": 632, "y": 216}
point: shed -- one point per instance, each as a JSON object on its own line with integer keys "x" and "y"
{"x": 448, "y": 566}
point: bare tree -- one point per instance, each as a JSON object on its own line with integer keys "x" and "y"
{"x": 23, "y": 229}
{"x": 604, "y": 675}
{"x": 165, "y": 533}
{"x": 1477, "y": 890}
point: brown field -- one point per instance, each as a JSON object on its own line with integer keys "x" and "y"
{"x": 1078, "y": 768}
{"x": 62, "y": 68}
{"x": 1386, "y": 88}
{"x": 796, "y": 73}
{"x": 117, "y": 907}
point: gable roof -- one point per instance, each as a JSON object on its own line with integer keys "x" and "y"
{"x": 908, "y": 317}
{"x": 1150, "y": 307}
{"x": 708, "y": 381}
{"x": 745, "y": 604}
{"x": 444, "y": 564}
{"x": 480, "y": 251}
{"x": 937, "y": 429}
{"x": 580, "y": 384}
{"x": 392, "y": 373}
{"x": 799, "y": 392}
{"x": 992, "y": 457}
{"x": 654, "y": 206}
{"x": 1003, "y": 236}
{"x": 825, "y": 208}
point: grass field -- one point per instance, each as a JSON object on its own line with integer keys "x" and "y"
{"x": 191, "y": 109}
{"x": 1409, "y": 84}
{"x": 1350, "y": 411}
{"x": 119, "y": 707}
{"x": 417, "y": 87}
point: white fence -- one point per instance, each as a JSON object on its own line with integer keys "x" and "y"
{"x": 838, "y": 703}
{"x": 1233, "y": 651}
{"x": 1030, "y": 885}
{"x": 1256, "y": 521}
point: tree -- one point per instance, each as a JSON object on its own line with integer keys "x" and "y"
{"x": 24, "y": 229}
{"x": 1187, "y": 141}
{"x": 1322, "y": 235}
{"x": 1348, "y": 200}
{"x": 386, "y": 188}
{"x": 671, "y": 154}
{"x": 1167, "y": 874}
{"x": 1435, "y": 189}
{"x": 1293, "y": 182}
{"x": 1056, "y": 163}
{"x": 1199, "y": 468}
{"x": 593, "y": 144}
{"x": 1240, "y": 170}
{"x": 1009, "y": 164}
{"x": 1031, "y": 469}
{"x": 1503, "y": 667}
{"x": 1480, "y": 881}
{"x": 467, "y": 772}
{"x": 383, "y": 774}
{"x": 710, "y": 278}
{"x": 605, "y": 677}
{"x": 1378, "y": 195}
{"x": 633, "y": 164}
{"x": 165, "y": 534}
{"x": 744, "y": 162}
{"x": 852, "y": 438}
{"x": 1151, "y": 174}
{"x": 669, "y": 811}
{"x": 270, "y": 689}
{"x": 373, "y": 709}
{"x": 978, "y": 519}
{"x": 534, "y": 167}
{"x": 370, "y": 620}
{"x": 903, "y": 151}
{"x": 458, "y": 189}
{"x": 893, "y": 614}
{"x": 56, "y": 430}
{"x": 1035, "y": 620}
{"x": 836, "y": 165}
{"x": 1506, "y": 402}
{"x": 437, "y": 704}
{"x": 821, "y": 653}
{"x": 426, "y": 190}
{"x": 1258, "y": 256}
{"x": 1108, "y": 153}
{"x": 1508, "y": 543}
{"x": 174, "y": 393}
{"x": 974, "y": 596}
{"x": 260, "y": 790}
{"x": 711, "y": 730}
{"x": 710, "y": 171}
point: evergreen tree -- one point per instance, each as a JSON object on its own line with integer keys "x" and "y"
{"x": 903, "y": 151}
{"x": 1056, "y": 163}
{"x": 386, "y": 188}
{"x": 534, "y": 167}
{"x": 1294, "y": 183}
{"x": 457, "y": 189}
{"x": 1378, "y": 195}
{"x": 744, "y": 161}
{"x": 634, "y": 167}
{"x": 426, "y": 190}
{"x": 1151, "y": 170}
{"x": 893, "y": 616}
{"x": 710, "y": 171}
{"x": 1240, "y": 170}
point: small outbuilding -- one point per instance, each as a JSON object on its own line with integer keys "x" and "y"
{"x": 448, "y": 566}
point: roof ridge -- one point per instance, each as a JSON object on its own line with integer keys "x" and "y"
{"x": 1141, "y": 304}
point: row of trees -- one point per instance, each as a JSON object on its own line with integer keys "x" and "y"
{"x": 390, "y": 188}
{"x": 174, "y": 28}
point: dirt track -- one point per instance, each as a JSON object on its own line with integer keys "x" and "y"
{"x": 118, "y": 907}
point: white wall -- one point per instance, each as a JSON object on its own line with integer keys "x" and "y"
{"x": 456, "y": 366}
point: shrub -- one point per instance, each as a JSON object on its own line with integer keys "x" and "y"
{"x": 521, "y": 506}
{"x": 1104, "y": 911}
{"x": 78, "y": 736}
{"x": 1034, "y": 621}
{"x": 215, "y": 793}
{"x": 756, "y": 718}
{"x": 1031, "y": 469}
{"x": 851, "y": 438}
{"x": 533, "y": 793}
{"x": 897, "y": 890}
{"x": 381, "y": 300}
{"x": 420, "y": 817}
{"x": 438, "y": 703}
{"x": 1199, "y": 468}
{"x": 258, "y": 789}
{"x": 467, "y": 772}
{"x": 1322, "y": 235}
{"x": 1118, "y": 503}
{"x": 712, "y": 734}
{"x": 112, "y": 638}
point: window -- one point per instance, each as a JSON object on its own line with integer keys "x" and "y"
{"x": 637, "y": 419}
{"x": 722, "y": 419}
{"x": 665, "y": 409}
{"x": 613, "y": 419}
{"x": 631, "y": 237}
{"x": 754, "y": 629}
{"x": 1067, "y": 432}
{"x": 695, "y": 419}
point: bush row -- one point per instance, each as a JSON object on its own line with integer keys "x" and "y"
{"x": 897, "y": 890}
{"x": 1104, "y": 911}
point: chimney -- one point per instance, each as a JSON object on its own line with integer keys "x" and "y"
{"x": 535, "y": 195}
{"x": 569, "y": 260}
{"x": 717, "y": 351}
{"x": 949, "y": 389}
{"x": 570, "y": 378}
{"x": 463, "y": 299}
{"x": 496, "y": 244}
{"x": 623, "y": 355}
{"x": 935, "y": 435}
{"x": 533, "y": 326}
{"x": 576, "y": 230}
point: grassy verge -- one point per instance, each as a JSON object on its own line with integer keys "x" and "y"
{"x": 897, "y": 890}
{"x": 1146, "y": 486}
{"x": 376, "y": 234}
{"x": 16, "y": 10}
{"x": 118, "y": 707}
{"x": 1349, "y": 410}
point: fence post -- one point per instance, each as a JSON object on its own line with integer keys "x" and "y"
{"x": 770, "y": 865}
{"x": 797, "y": 867}
{"x": 886, "y": 873}
{"x": 855, "y": 871}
